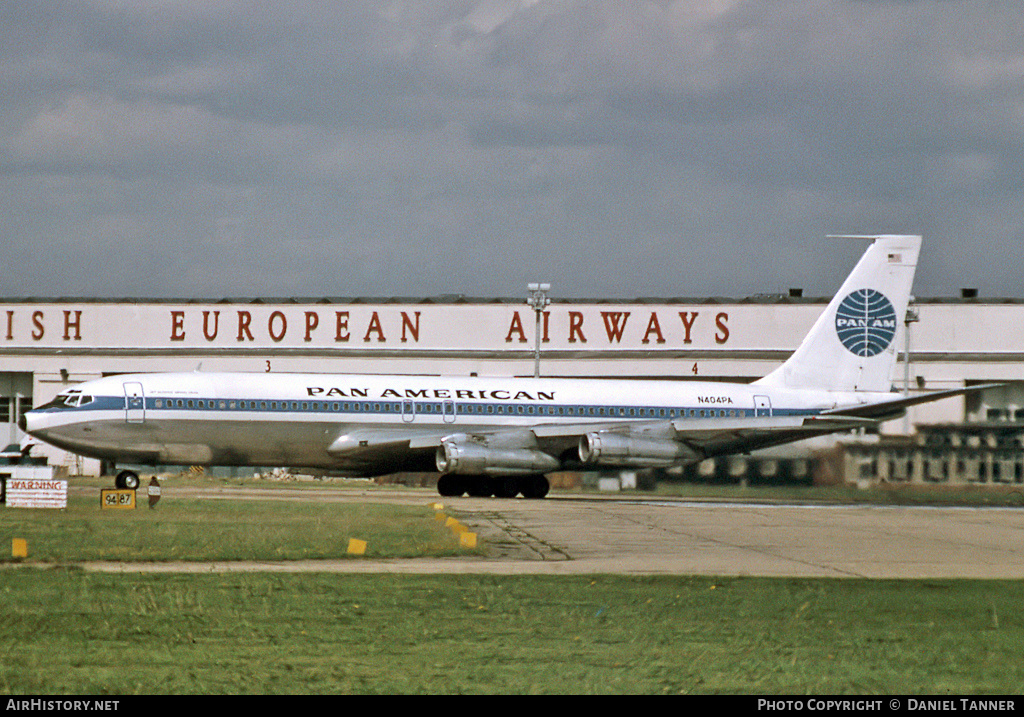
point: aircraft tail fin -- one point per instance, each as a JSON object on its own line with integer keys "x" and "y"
{"x": 852, "y": 345}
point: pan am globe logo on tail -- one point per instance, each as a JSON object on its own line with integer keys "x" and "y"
{"x": 866, "y": 322}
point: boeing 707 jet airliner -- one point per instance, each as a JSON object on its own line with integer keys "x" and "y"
{"x": 500, "y": 436}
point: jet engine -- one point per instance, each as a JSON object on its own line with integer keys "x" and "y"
{"x": 614, "y": 449}
{"x": 469, "y": 458}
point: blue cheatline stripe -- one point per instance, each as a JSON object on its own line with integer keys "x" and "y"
{"x": 427, "y": 408}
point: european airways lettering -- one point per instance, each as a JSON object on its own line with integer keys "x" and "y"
{"x": 367, "y": 327}
{"x": 482, "y": 394}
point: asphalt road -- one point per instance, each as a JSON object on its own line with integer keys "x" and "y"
{"x": 628, "y": 535}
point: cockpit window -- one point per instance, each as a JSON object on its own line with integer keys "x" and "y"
{"x": 68, "y": 399}
{"x": 60, "y": 401}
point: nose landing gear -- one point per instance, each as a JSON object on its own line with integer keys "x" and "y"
{"x": 127, "y": 479}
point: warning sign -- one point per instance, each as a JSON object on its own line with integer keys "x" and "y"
{"x": 37, "y": 493}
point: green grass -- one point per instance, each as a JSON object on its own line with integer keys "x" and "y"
{"x": 196, "y": 529}
{"x": 70, "y": 632}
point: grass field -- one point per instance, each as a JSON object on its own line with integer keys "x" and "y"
{"x": 195, "y": 529}
{"x": 68, "y": 632}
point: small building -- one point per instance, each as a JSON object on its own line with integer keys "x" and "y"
{"x": 954, "y": 454}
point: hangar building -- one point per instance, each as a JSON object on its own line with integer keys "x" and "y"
{"x": 47, "y": 345}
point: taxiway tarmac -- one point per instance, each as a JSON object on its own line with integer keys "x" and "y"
{"x": 584, "y": 535}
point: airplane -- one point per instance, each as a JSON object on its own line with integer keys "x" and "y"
{"x": 491, "y": 436}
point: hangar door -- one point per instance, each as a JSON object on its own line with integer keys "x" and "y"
{"x": 15, "y": 400}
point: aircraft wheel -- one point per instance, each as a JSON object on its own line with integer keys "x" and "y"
{"x": 450, "y": 486}
{"x": 506, "y": 487}
{"x": 127, "y": 479}
{"x": 535, "y": 487}
{"x": 480, "y": 487}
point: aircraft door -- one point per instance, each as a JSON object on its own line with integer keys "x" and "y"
{"x": 134, "y": 403}
{"x": 448, "y": 410}
{"x": 762, "y": 406}
{"x": 408, "y": 410}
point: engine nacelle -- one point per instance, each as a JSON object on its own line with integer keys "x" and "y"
{"x": 465, "y": 458}
{"x": 613, "y": 449}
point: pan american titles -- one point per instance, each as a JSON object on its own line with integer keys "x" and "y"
{"x": 497, "y": 395}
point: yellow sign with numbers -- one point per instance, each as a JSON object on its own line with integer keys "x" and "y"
{"x": 117, "y": 499}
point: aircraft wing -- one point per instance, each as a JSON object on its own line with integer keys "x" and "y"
{"x": 705, "y": 436}
{"x": 753, "y": 434}
{"x": 663, "y": 443}
{"x": 377, "y": 450}
{"x": 374, "y": 451}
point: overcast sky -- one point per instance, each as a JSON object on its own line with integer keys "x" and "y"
{"x": 211, "y": 148}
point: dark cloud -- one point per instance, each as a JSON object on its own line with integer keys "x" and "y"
{"x": 417, "y": 148}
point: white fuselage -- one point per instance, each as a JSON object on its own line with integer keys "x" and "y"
{"x": 317, "y": 420}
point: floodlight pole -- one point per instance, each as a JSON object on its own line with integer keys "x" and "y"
{"x": 538, "y": 300}
{"x": 912, "y": 317}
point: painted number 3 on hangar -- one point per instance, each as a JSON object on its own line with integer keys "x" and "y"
{"x": 866, "y": 322}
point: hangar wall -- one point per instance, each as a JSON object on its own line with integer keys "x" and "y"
{"x": 47, "y": 345}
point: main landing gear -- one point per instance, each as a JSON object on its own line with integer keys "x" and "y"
{"x": 452, "y": 486}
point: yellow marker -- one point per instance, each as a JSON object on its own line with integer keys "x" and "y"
{"x": 467, "y": 539}
{"x": 455, "y": 525}
{"x": 19, "y": 548}
{"x": 356, "y": 547}
{"x": 440, "y": 517}
{"x": 437, "y": 506}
